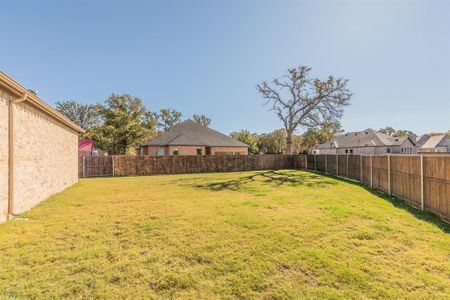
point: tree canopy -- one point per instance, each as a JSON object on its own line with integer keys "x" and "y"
{"x": 126, "y": 124}
{"x": 395, "y": 133}
{"x": 321, "y": 134}
{"x": 251, "y": 139}
{"x": 168, "y": 118}
{"x": 84, "y": 115}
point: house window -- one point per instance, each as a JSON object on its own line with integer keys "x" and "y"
{"x": 199, "y": 151}
{"x": 388, "y": 150}
{"x": 160, "y": 152}
{"x": 351, "y": 151}
{"x": 346, "y": 151}
{"x": 176, "y": 152}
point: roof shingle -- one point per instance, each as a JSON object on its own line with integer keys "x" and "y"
{"x": 190, "y": 133}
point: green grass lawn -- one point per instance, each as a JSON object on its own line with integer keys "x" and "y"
{"x": 264, "y": 234}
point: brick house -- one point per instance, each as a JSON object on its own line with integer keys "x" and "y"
{"x": 85, "y": 147}
{"x": 191, "y": 138}
{"x": 38, "y": 149}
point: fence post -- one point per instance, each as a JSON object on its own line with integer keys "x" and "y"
{"x": 371, "y": 172}
{"x": 315, "y": 162}
{"x": 306, "y": 162}
{"x": 337, "y": 164}
{"x": 326, "y": 163}
{"x": 389, "y": 174}
{"x": 84, "y": 166}
{"x": 421, "y": 183}
{"x": 360, "y": 167}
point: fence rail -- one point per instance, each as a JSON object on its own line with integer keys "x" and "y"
{"x": 421, "y": 181}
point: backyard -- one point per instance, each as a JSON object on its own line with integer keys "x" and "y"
{"x": 260, "y": 234}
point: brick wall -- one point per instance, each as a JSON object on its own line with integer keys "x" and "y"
{"x": 45, "y": 156}
{"x": 151, "y": 150}
{"x": 186, "y": 150}
{"x": 192, "y": 150}
{"x": 4, "y": 98}
{"x": 229, "y": 150}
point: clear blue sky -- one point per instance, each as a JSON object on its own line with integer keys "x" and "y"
{"x": 207, "y": 56}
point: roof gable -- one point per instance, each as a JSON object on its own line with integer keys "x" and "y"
{"x": 433, "y": 141}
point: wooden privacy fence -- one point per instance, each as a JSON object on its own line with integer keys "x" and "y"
{"x": 121, "y": 165}
{"x": 421, "y": 181}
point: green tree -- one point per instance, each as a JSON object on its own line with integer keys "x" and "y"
{"x": 84, "y": 115}
{"x": 202, "y": 119}
{"x": 297, "y": 144}
{"x": 168, "y": 118}
{"x": 126, "y": 124}
{"x": 395, "y": 133}
{"x": 248, "y": 138}
{"x": 273, "y": 142}
{"x": 319, "y": 135}
{"x": 302, "y": 101}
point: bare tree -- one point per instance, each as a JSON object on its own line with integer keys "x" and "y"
{"x": 202, "y": 119}
{"x": 302, "y": 101}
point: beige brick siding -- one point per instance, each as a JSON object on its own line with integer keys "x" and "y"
{"x": 45, "y": 156}
{"x": 4, "y": 99}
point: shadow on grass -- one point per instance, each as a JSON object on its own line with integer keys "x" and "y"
{"x": 419, "y": 214}
{"x": 272, "y": 177}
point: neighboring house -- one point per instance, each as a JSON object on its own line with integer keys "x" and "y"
{"x": 191, "y": 138}
{"x": 368, "y": 142}
{"x": 433, "y": 143}
{"x": 86, "y": 148}
{"x": 38, "y": 149}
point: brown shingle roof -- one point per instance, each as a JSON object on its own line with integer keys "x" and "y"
{"x": 190, "y": 133}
